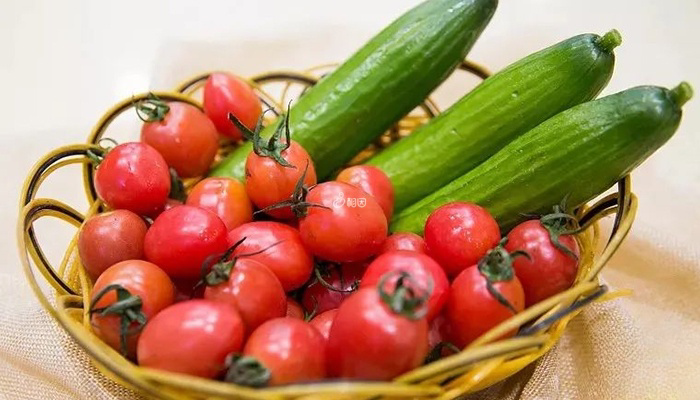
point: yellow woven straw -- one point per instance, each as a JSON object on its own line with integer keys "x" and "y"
{"x": 483, "y": 363}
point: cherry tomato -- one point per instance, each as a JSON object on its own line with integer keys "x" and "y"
{"x": 344, "y": 279}
{"x": 226, "y": 197}
{"x": 323, "y": 322}
{"x": 423, "y": 269}
{"x": 349, "y": 225}
{"x": 139, "y": 279}
{"x": 291, "y": 349}
{"x": 549, "y": 270}
{"x": 185, "y": 137}
{"x": 458, "y": 235}
{"x": 268, "y": 183}
{"x": 374, "y": 182}
{"x": 193, "y": 337}
{"x": 182, "y": 238}
{"x": 225, "y": 93}
{"x": 254, "y": 290}
{"x": 404, "y": 241}
{"x": 371, "y": 341}
{"x": 284, "y": 253}
{"x": 472, "y": 309}
{"x": 108, "y": 238}
{"x": 294, "y": 309}
{"x": 135, "y": 177}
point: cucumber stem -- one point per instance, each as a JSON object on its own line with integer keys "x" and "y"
{"x": 610, "y": 40}
{"x": 682, "y": 93}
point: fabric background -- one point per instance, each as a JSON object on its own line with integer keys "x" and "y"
{"x": 64, "y": 63}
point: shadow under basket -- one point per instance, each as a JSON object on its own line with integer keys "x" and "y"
{"x": 484, "y": 362}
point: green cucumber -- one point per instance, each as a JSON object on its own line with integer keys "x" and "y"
{"x": 378, "y": 85}
{"x": 575, "y": 155}
{"x": 503, "y": 107}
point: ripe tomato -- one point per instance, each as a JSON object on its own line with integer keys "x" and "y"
{"x": 291, "y": 349}
{"x": 348, "y": 226}
{"x": 268, "y": 183}
{"x": 323, "y": 322}
{"x": 185, "y": 137}
{"x": 135, "y": 177}
{"x": 344, "y": 278}
{"x": 193, "y": 337}
{"x": 374, "y": 182}
{"x": 438, "y": 340}
{"x": 376, "y": 340}
{"x": 294, "y": 309}
{"x": 458, "y": 235}
{"x": 284, "y": 253}
{"x": 108, "y": 238}
{"x": 549, "y": 270}
{"x": 136, "y": 279}
{"x": 424, "y": 270}
{"x": 251, "y": 287}
{"x": 404, "y": 241}
{"x": 472, "y": 308}
{"x": 226, "y": 197}
{"x": 225, "y": 93}
{"x": 183, "y": 238}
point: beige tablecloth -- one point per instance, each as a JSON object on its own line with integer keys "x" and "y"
{"x": 68, "y": 61}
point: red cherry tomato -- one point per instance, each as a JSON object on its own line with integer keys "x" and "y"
{"x": 374, "y": 182}
{"x": 294, "y": 309}
{"x": 193, "y": 337}
{"x": 438, "y": 340}
{"x": 350, "y": 225}
{"x": 291, "y": 349}
{"x": 186, "y": 139}
{"x": 458, "y": 235}
{"x": 284, "y": 253}
{"x": 182, "y": 238}
{"x": 549, "y": 270}
{"x": 135, "y": 177}
{"x": 423, "y": 269}
{"x": 139, "y": 278}
{"x": 472, "y": 309}
{"x": 371, "y": 341}
{"x": 254, "y": 290}
{"x": 108, "y": 238}
{"x": 323, "y": 322}
{"x": 404, "y": 241}
{"x": 225, "y": 93}
{"x": 225, "y": 197}
{"x": 268, "y": 183}
{"x": 318, "y": 298}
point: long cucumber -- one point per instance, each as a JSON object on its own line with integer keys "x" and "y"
{"x": 378, "y": 85}
{"x": 576, "y": 155}
{"x": 503, "y": 107}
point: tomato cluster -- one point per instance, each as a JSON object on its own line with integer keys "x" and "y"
{"x": 310, "y": 286}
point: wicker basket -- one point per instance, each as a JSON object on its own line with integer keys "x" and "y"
{"x": 483, "y": 363}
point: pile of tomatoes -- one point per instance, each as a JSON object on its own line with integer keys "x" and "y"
{"x": 308, "y": 287}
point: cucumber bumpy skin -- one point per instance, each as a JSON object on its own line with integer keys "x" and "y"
{"x": 576, "y": 155}
{"x": 388, "y": 77}
{"x": 503, "y": 107}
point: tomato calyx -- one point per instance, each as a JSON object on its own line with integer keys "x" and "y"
{"x": 177, "y": 187}
{"x": 127, "y": 307}
{"x": 246, "y": 371}
{"x": 322, "y": 269}
{"x": 220, "y": 272}
{"x": 436, "y": 352}
{"x": 297, "y": 201}
{"x": 405, "y": 299}
{"x": 274, "y": 146}
{"x": 151, "y": 109}
{"x": 559, "y": 223}
{"x": 497, "y": 266}
{"x": 97, "y": 154}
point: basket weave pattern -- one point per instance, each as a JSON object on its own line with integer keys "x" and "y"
{"x": 483, "y": 363}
